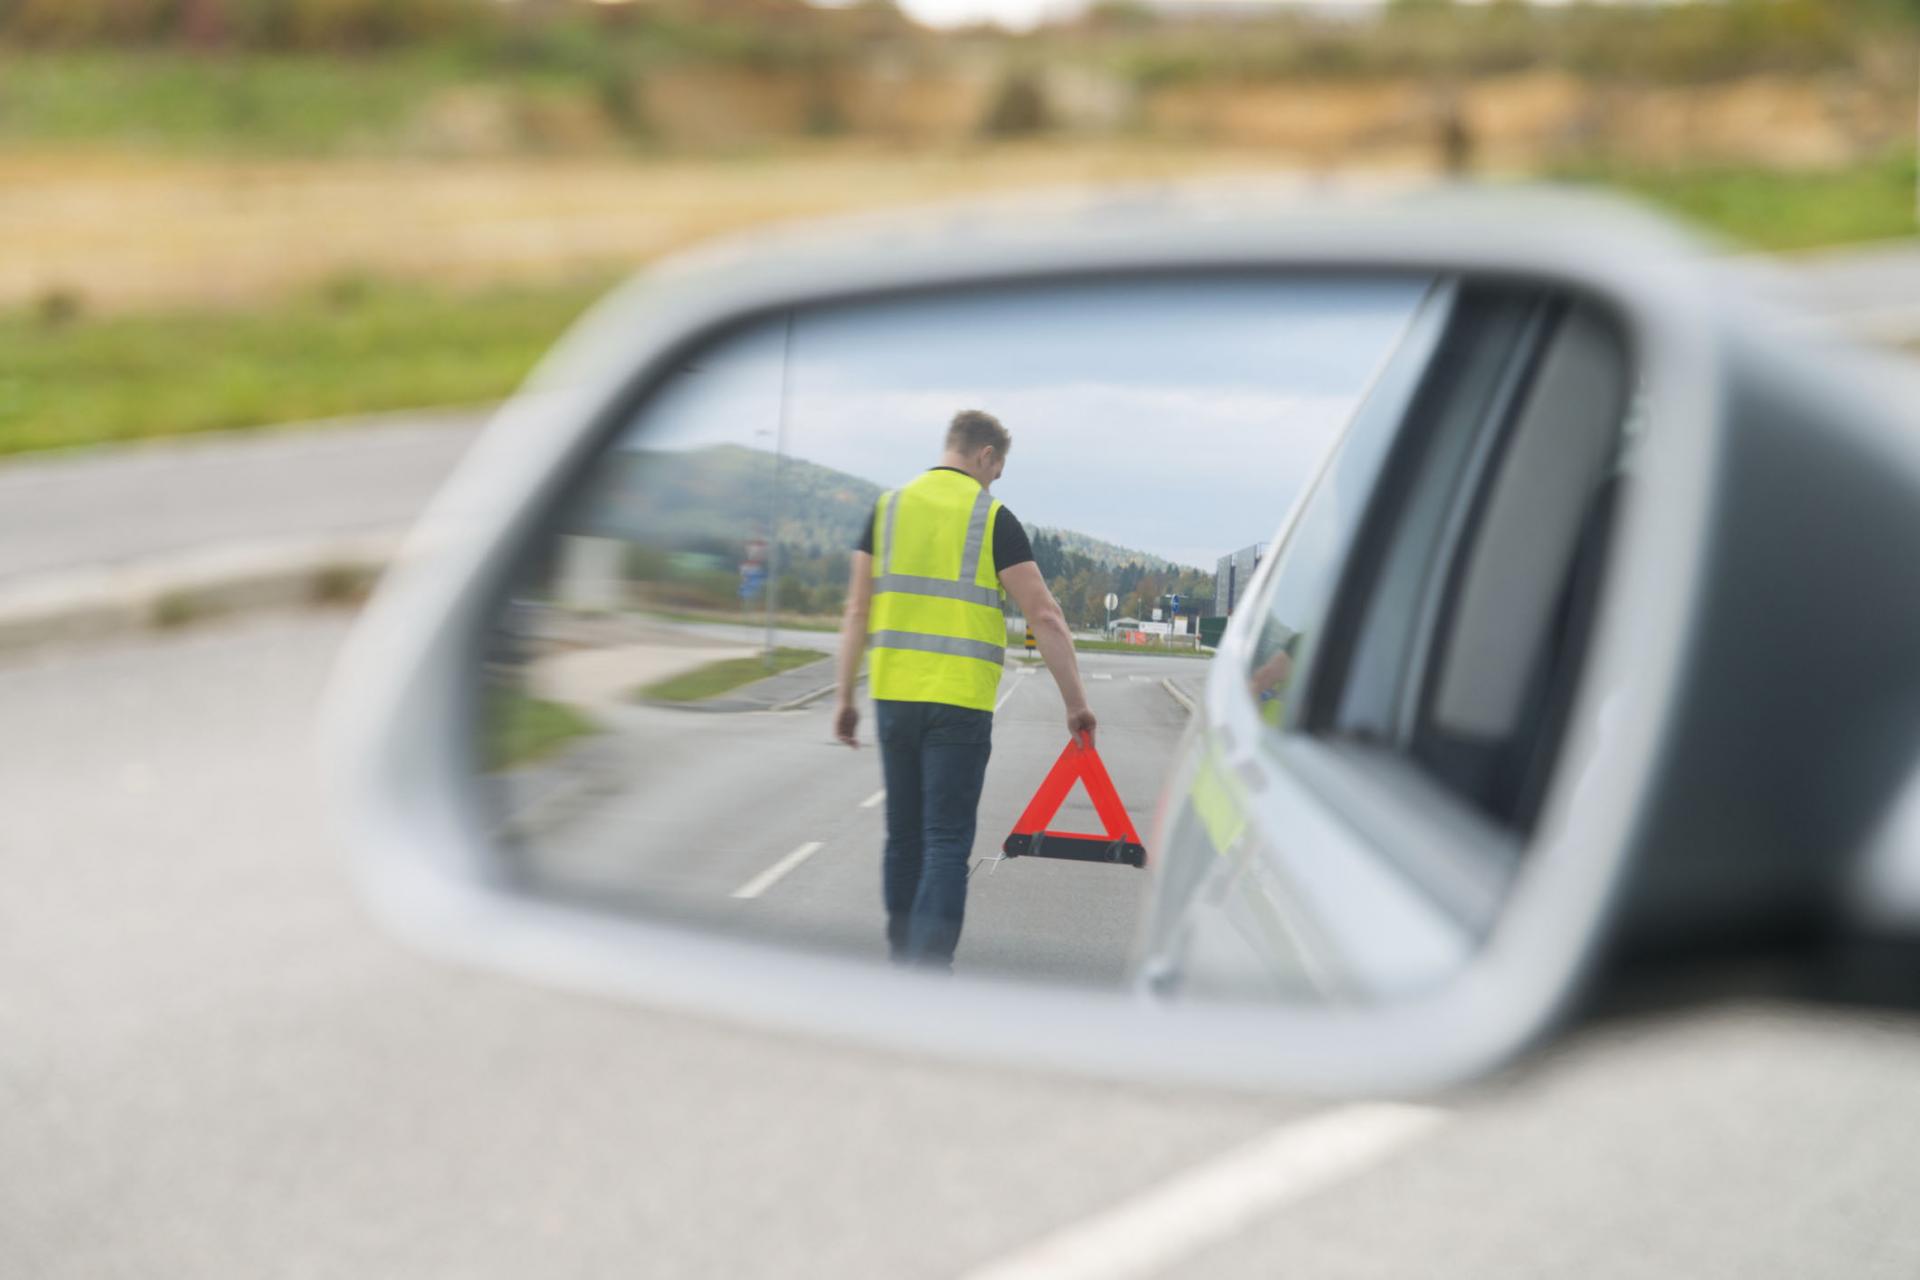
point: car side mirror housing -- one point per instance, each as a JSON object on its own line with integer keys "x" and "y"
{"x": 1584, "y": 643}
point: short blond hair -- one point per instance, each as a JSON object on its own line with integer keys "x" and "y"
{"x": 972, "y": 430}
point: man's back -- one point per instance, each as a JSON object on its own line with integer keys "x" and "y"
{"x": 925, "y": 597}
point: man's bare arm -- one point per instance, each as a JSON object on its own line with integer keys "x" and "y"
{"x": 1030, "y": 592}
{"x": 853, "y": 644}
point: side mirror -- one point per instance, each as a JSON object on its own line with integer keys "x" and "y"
{"x": 1506, "y": 530}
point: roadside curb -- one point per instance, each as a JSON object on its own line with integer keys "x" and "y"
{"x": 1180, "y": 696}
{"x": 537, "y": 799}
{"x": 808, "y": 699}
{"x": 174, "y": 591}
{"x": 741, "y": 700}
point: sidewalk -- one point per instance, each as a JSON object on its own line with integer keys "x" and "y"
{"x": 102, "y": 541}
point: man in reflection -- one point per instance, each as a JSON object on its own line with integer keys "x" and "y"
{"x": 1273, "y": 671}
{"x": 926, "y": 598}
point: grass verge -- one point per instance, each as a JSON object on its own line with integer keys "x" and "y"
{"x": 523, "y": 728}
{"x": 280, "y": 103}
{"x": 727, "y": 675}
{"x": 357, "y": 347}
{"x": 1781, "y": 209}
{"x": 733, "y": 617}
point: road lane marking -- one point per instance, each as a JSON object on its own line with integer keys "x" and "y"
{"x": 1149, "y": 1232}
{"x": 1015, "y": 684}
{"x": 874, "y": 799}
{"x": 773, "y": 874}
{"x": 1099, "y": 675}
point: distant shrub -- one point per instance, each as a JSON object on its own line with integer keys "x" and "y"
{"x": 1018, "y": 109}
{"x": 58, "y": 306}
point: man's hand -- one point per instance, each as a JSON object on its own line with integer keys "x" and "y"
{"x": 845, "y": 721}
{"x": 1080, "y": 723}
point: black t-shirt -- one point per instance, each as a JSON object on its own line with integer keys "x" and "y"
{"x": 1010, "y": 544}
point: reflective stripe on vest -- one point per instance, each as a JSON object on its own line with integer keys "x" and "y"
{"x": 936, "y": 631}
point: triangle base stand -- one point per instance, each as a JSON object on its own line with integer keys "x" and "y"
{"x": 1076, "y": 848}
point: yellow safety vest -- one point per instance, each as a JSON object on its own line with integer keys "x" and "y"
{"x": 936, "y": 630}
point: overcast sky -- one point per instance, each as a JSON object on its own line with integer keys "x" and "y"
{"x": 1177, "y": 417}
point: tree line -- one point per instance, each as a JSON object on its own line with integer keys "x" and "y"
{"x": 1081, "y": 583}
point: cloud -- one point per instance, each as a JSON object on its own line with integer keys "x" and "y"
{"x": 1179, "y": 417}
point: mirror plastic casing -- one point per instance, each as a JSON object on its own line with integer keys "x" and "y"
{"x": 400, "y": 723}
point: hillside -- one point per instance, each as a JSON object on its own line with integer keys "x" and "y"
{"x": 1105, "y": 554}
{"x": 714, "y": 499}
{"x": 691, "y": 515}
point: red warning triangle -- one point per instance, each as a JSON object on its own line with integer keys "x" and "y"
{"x": 1120, "y": 843}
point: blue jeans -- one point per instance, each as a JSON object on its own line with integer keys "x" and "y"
{"x": 934, "y": 758}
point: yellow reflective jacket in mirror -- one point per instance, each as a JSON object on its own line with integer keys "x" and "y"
{"x": 936, "y": 631}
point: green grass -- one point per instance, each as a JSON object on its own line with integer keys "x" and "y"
{"x": 784, "y": 621}
{"x": 286, "y": 104}
{"x": 726, "y": 675}
{"x": 521, "y": 728}
{"x": 1781, "y": 210}
{"x": 356, "y": 348}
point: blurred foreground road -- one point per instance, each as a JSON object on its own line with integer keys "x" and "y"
{"x": 87, "y": 507}
{"x": 212, "y": 1065}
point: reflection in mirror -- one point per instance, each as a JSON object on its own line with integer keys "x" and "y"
{"x": 1033, "y": 509}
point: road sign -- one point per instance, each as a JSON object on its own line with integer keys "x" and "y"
{"x": 1113, "y": 601}
{"x": 1118, "y": 843}
{"x": 753, "y": 577}
{"x": 1030, "y": 640}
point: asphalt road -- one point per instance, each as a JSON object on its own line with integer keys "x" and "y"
{"x": 705, "y": 808}
{"x": 90, "y": 507}
{"x": 212, "y": 1064}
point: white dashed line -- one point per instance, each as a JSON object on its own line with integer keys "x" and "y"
{"x": 1012, "y": 685}
{"x": 874, "y": 799}
{"x": 1147, "y": 1233}
{"x": 773, "y": 874}
{"x": 1099, "y": 675}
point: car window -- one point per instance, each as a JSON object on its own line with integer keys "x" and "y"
{"x": 1465, "y": 615}
{"x": 1307, "y": 560}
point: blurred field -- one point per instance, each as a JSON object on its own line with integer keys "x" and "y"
{"x": 225, "y": 213}
{"x": 353, "y": 347}
{"x": 144, "y": 296}
{"x": 119, "y": 232}
{"x": 1771, "y": 209}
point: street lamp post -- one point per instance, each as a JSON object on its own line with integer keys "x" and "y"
{"x": 773, "y": 499}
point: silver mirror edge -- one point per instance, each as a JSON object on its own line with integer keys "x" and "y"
{"x": 395, "y": 737}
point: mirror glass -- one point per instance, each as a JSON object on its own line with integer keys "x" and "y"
{"x": 1002, "y": 493}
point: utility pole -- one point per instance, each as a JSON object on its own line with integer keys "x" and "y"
{"x": 773, "y": 501}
